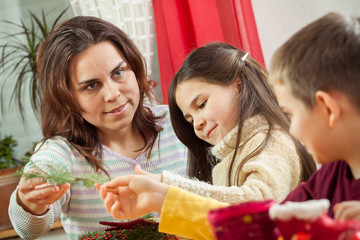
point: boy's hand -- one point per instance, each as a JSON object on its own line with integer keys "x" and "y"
{"x": 348, "y": 210}
{"x": 133, "y": 196}
{"x": 35, "y": 196}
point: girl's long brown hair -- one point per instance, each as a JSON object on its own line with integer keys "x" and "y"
{"x": 60, "y": 115}
{"x": 220, "y": 63}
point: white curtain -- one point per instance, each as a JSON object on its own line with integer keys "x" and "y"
{"x": 135, "y": 17}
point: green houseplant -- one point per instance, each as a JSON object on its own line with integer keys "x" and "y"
{"x": 18, "y": 60}
{"x": 18, "y": 66}
{"x": 7, "y": 158}
{"x": 9, "y": 164}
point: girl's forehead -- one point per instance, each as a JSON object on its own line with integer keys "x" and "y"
{"x": 196, "y": 81}
{"x": 191, "y": 86}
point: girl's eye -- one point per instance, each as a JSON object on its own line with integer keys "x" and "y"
{"x": 190, "y": 120}
{"x": 288, "y": 115}
{"x": 202, "y": 104}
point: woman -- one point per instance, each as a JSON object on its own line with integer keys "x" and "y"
{"x": 98, "y": 114}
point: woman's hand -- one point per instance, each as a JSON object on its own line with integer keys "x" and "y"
{"x": 35, "y": 196}
{"x": 348, "y": 210}
{"x": 133, "y": 196}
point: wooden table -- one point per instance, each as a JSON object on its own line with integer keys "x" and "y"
{"x": 11, "y": 232}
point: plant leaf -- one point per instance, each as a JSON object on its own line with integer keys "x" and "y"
{"x": 18, "y": 59}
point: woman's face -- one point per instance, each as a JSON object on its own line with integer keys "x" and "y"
{"x": 104, "y": 87}
{"x": 212, "y": 109}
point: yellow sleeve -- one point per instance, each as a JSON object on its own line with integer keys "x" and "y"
{"x": 186, "y": 214}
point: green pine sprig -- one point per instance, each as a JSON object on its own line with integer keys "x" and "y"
{"x": 57, "y": 176}
{"x": 141, "y": 230}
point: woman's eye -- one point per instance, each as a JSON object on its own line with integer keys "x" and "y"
{"x": 91, "y": 86}
{"x": 202, "y": 104}
{"x": 118, "y": 73}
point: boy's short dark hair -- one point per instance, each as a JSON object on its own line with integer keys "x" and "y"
{"x": 324, "y": 55}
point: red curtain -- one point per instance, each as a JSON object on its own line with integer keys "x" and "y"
{"x": 182, "y": 25}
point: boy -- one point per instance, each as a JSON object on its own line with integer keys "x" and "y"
{"x": 316, "y": 77}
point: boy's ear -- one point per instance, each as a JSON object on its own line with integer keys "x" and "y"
{"x": 330, "y": 105}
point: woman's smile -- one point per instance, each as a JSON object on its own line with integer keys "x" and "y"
{"x": 117, "y": 111}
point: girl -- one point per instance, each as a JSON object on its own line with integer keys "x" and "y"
{"x": 98, "y": 115}
{"x": 224, "y": 111}
{"x": 220, "y": 99}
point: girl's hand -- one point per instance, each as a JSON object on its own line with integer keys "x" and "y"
{"x": 133, "y": 196}
{"x": 35, "y": 196}
{"x": 156, "y": 177}
{"x": 348, "y": 210}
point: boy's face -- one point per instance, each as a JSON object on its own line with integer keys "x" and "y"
{"x": 309, "y": 126}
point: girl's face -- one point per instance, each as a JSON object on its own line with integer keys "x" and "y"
{"x": 104, "y": 87}
{"x": 212, "y": 109}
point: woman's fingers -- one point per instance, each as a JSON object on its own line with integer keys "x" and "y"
{"x": 46, "y": 195}
{"x": 62, "y": 190}
{"x": 35, "y": 195}
{"x": 30, "y": 184}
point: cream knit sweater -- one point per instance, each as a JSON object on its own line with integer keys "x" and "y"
{"x": 272, "y": 174}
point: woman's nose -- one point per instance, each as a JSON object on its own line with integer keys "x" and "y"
{"x": 112, "y": 92}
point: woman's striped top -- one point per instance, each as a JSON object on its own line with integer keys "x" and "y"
{"x": 81, "y": 209}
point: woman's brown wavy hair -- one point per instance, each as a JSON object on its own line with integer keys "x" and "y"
{"x": 60, "y": 114}
{"x": 220, "y": 63}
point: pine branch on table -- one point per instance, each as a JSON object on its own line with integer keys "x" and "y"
{"x": 145, "y": 228}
